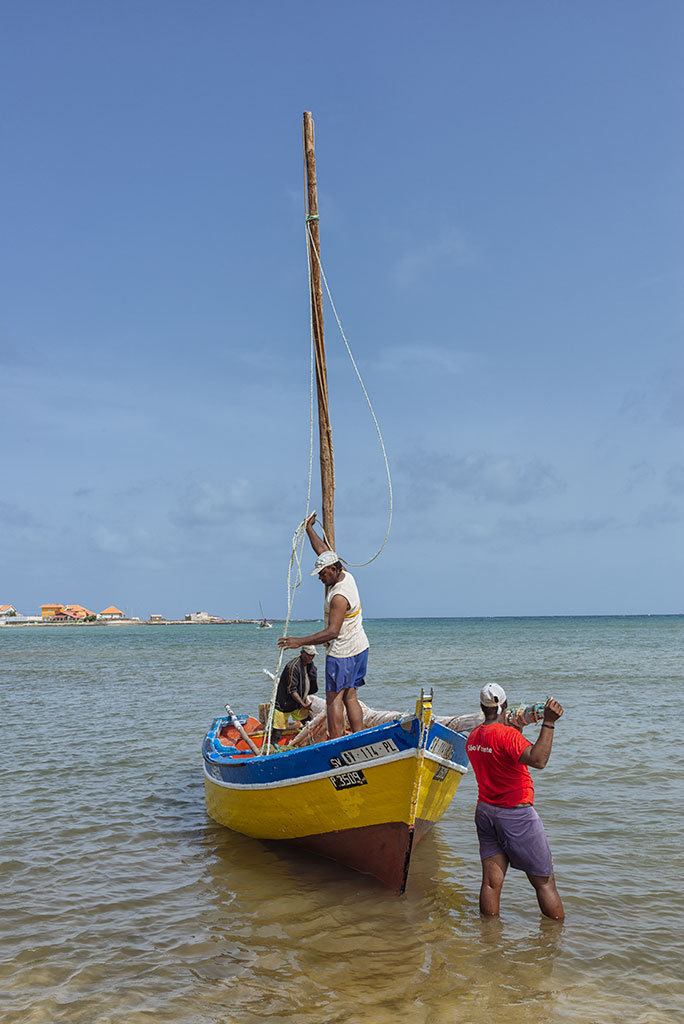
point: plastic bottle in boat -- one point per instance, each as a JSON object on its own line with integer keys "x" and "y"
{"x": 526, "y": 714}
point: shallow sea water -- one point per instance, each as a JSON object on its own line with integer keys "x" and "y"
{"x": 123, "y": 903}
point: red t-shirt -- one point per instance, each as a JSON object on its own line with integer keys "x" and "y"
{"x": 501, "y": 779}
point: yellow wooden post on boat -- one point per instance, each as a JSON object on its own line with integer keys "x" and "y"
{"x": 423, "y": 714}
{"x": 424, "y": 709}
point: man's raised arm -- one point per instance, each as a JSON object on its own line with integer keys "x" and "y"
{"x": 537, "y": 756}
{"x": 317, "y": 543}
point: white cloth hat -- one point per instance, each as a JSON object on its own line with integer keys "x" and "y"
{"x": 492, "y": 696}
{"x": 325, "y": 559}
{"x": 309, "y": 649}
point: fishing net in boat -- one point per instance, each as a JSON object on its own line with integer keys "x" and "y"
{"x": 316, "y": 730}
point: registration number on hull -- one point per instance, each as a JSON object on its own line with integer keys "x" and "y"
{"x": 441, "y": 748}
{"x": 369, "y": 752}
{"x": 349, "y": 779}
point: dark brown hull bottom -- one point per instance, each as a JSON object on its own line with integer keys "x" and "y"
{"x": 383, "y": 851}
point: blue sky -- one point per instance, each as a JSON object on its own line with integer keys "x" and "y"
{"x": 500, "y": 189}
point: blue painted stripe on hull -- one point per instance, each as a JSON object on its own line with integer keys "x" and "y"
{"x": 303, "y": 760}
{"x": 306, "y": 763}
{"x": 212, "y": 773}
{"x": 297, "y": 780}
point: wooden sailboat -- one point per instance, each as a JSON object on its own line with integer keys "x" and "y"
{"x": 263, "y": 622}
{"x": 365, "y": 798}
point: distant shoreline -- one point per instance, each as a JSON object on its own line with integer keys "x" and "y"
{"x": 13, "y": 623}
{"x": 143, "y": 622}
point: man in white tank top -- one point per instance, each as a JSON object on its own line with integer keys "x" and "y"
{"x": 343, "y": 634}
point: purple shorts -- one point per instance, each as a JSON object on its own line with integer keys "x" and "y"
{"x": 341, "y": 673}
{"x": 518, "y": 833}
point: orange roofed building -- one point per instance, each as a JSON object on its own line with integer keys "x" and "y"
{"x": 48, "y": 610}
{"x": 78, "y": 611}
{"x": 112, "y": 613}
{"x": 64, "y": 612}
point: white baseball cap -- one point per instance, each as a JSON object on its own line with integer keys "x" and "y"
{"x": 309, "y": 649}
{"x": 492, "y": 696}
{"x": 325, "y": 559}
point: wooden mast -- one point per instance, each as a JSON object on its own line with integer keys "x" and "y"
{"x": 324, "y": 429}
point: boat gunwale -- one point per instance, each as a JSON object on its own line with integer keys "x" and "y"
{"x": 299, "y": 780}
{"x": 232, "y": 753}
{"x": 248, "y": 758}
{"x": 240, "y": 771}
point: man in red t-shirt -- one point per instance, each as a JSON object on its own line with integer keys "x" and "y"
{"x": 509, "y": 829}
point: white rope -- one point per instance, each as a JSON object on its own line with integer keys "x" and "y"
{"x": 357, "y": 565}
{"x": 295, "y": 561}
{"x": 299, "y": 534}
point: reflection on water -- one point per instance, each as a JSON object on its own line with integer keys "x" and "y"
{"x": 323, "y": 939}
{"x": 124, "y": 903}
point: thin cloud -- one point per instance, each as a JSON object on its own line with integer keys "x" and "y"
{"x": 426, "y": 359}
{"x": 113, "y": 541}
{"x": 508, "y": 532}
{"x": 636, "y": 406}
{"x": 674, "y": 479}
{"x": 640, "y": 475}
{"x": 12, "y": 515}
{"x": 662, "y": 397}
{"x": 673, "y": 411}
{"x": 414, "y": 264}
{"x": 243, "y": 512}
{"x": 485, "y": 477}
{"x": 137, "y": 547}
{"x": 534, "y": 530}
{"x": 208, "y": 505}
{"x": 663, "y": 514}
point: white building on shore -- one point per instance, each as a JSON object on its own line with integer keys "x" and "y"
{"x": 112, "y": 613}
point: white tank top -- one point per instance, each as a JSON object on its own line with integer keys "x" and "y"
{"x": 351, "y": 639}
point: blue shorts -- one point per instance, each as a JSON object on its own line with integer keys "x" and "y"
{"x": 518, "y": 833}
{"x": 341, "y": 673}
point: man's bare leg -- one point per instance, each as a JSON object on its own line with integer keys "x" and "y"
{"x": 354, "y": 712}
{"x": 493, "y": 873}
{"x": 335, "y": 714}
{"x": 547, "y": 896}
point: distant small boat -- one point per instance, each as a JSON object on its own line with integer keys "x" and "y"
{"x": 264, "y": 624}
